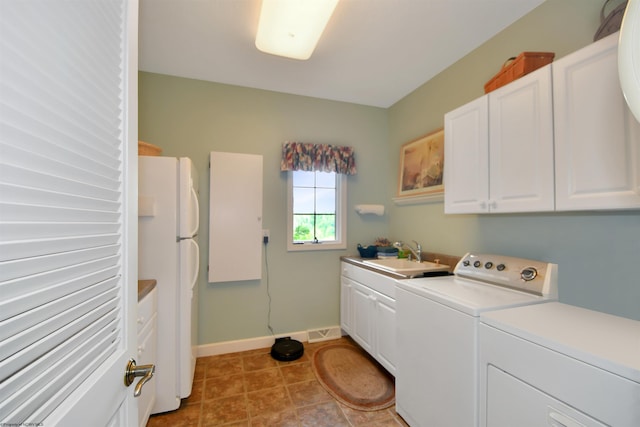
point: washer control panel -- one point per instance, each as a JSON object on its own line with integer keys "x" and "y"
{"x": 537, "y": 277}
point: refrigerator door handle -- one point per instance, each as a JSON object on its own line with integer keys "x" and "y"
{"x": 195, "y": 271}
{"x": 196, "y": 212}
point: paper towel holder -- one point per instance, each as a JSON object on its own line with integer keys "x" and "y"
{"x": 370, "y": 209}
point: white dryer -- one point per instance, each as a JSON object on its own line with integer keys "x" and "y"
{"x": 437, "y": 333}
{"x": 559, "y": 365}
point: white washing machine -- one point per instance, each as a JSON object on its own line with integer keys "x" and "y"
{"x": 437, "y": 333}
{"x": 559, "y": 365}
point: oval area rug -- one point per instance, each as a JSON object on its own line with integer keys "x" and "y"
{"x": 351, "y": 376}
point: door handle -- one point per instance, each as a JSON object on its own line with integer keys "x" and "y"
{"x": 132, "y": 371}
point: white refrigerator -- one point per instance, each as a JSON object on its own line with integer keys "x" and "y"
{"x": 168, "y": 222}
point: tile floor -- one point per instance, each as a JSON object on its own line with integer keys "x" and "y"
{"x": 252, "y": 389}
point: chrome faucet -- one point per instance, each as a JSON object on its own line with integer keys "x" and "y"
{"x": 417, "y": 252}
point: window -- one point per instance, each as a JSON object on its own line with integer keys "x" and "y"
{"x": 317, "y": 211}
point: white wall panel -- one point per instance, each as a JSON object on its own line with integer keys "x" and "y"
{"x": 235, "y": 217}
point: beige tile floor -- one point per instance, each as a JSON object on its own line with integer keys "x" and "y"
{"x": 252, "y": 389}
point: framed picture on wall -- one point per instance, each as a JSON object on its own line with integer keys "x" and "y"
{"x": 421, "y": 166}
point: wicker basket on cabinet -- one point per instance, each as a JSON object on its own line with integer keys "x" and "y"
{"x": 517, "y": 67}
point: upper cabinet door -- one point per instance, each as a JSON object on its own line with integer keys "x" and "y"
{"x": 466, "y": 171}
{"x": 521, "y": 145}
{"x": 597, "y": 138}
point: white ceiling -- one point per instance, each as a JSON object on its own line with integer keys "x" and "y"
{"x": 373, "y": 52}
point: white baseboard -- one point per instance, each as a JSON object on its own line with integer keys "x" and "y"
{"x": 246, "y": 344}
{"x": 251, "y": 343}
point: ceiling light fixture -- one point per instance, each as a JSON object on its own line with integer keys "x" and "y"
{"x": 292, "y": 28}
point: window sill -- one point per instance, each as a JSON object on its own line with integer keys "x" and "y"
{"x": 315, "y": 247}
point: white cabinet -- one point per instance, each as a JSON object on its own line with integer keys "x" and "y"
{"x": 385, "y": 332}
{"x": 363, "y": 309}
{"x": 597, "y": 139}
{"x": 466, "y": 157}
{"x": 368, "y": 312}
{"x": 499, "y": 150}
{"x": 561, "y": 138}
{"x": 521, "y": 145}
{"x": 346, "y": 286}
{"x": 147, "y": 348}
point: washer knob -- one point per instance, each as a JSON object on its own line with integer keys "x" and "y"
{"x": 528, "y": 274}
{"x": 477, "y": 264}
{"x": 466, "y": 263}
{"x": 501, "y": 267}
{"x": 488, "y": 265}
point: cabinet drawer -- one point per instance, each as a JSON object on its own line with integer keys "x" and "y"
{"x": 147, "y": 307}
{"x": 378, "y": 282}
{"x": 146, "y": 352}
{"x": 146, "y": 355}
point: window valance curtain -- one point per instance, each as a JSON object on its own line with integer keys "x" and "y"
{"x": 317, "y": 157}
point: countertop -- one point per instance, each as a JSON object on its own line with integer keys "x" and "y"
{"x": 359, "y": 261}
{"x": 145, "y": 286}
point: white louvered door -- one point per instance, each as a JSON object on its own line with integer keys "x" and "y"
{"x": 68, "y": 211}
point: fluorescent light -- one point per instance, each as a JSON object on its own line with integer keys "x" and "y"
{"x": 292, "y": 28}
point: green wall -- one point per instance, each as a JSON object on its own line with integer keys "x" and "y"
{"x": 596, "y": 252}
{"x": 191, "y": 118}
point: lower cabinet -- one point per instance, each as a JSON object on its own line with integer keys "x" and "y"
{"x": 147, "y": 348}
{"x": 368, "y": 312}
{"x": 346, "y": 285}
{"x": 385, "y": 334}
{"x": 363, "y": 315}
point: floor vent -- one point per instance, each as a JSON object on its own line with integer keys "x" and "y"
{"x": 317, "y": 335}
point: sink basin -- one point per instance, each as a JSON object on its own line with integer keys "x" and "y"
{"x": 405, "y": 267}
